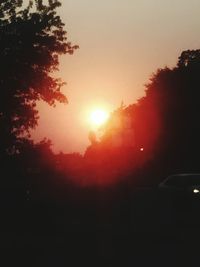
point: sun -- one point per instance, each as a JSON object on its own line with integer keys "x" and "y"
{"x": 98, "y": 117}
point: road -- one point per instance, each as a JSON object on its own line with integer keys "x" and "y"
{"x": 103, "y": 229}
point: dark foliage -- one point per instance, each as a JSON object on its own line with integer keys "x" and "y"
{"x": 31, "y": 39}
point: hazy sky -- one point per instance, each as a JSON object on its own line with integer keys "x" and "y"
{"x": 122, "y": 42}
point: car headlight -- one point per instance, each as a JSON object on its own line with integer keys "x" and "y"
{"x": 196, "y": 191}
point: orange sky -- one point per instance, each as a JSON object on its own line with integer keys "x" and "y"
{"x": 121, "y": 43}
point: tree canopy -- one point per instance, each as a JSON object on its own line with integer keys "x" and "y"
{"x": 32, "y": 37}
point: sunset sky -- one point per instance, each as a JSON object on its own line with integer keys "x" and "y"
{"x": 121, "y": 44}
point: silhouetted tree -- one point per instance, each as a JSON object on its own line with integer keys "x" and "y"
{"x": 173, "y": 99}
{"x": 31, "y": 39}
{"x": 189, "y": 58}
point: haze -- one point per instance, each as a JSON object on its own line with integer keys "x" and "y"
{"x": 121, "y": 44}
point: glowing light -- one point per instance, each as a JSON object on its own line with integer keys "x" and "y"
{"x": 98, "y": 117}
{"x": 141, "y": 149}
{"x": 196, "y": 191}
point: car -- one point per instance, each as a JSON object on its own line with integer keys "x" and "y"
{"x": 172, "y": 205}
{"x": 179, "y": 199}
{"x": 188, "y": 183}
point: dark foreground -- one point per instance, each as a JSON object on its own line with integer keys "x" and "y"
{"x": 98, "y": 228}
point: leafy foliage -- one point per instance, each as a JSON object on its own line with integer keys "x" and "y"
{"x": 31, "y": 39}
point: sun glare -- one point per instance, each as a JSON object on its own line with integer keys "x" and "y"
{"x": 98, "y": 117}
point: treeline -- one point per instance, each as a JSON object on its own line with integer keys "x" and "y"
{"x": 141, "y": 143}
